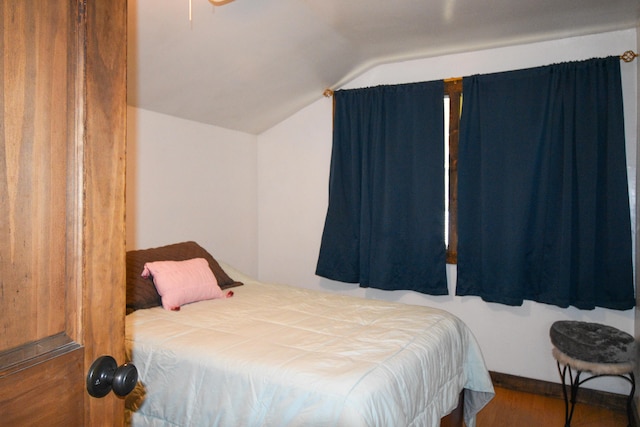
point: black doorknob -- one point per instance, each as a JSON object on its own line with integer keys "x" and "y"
{"x": 105, "y": 375}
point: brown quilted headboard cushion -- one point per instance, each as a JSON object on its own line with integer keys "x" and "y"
{"x": 141, "y": 292}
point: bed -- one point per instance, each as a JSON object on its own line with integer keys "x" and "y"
{"x": 264, "y": 354}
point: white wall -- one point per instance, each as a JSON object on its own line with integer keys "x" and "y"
{"x": 293, "y": 171}
{"x": 191, "y": 181}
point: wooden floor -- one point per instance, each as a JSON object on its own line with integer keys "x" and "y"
{"x": 512, "y": 408}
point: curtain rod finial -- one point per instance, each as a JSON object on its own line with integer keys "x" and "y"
{"x": 328, "y": 93}
{"x": 628, "y": 56}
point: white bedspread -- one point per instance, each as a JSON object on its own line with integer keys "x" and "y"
{"x": 275, "y": 355}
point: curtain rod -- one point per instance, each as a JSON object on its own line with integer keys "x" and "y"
{"x": 628, "y": 56}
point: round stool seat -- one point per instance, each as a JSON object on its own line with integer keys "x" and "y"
{"x": 593, "y": 343}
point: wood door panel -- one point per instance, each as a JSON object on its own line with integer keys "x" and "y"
{"x": 62, "y": 248}
{"x": 27, "y": 396}
{"x": 33, "y": 187}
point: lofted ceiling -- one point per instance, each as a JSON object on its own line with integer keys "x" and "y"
{"x": 250, "y": 64}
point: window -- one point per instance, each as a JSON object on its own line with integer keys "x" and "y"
{"x": 453, "y": 108}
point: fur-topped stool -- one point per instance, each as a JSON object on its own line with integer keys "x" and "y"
{"x": 593, "y": 348}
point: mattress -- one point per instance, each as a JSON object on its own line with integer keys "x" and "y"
{"x": 276, "y": 355}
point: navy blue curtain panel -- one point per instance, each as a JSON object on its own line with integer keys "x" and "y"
{"x": 385, "y": 220}
{"x": 543, "y": 204}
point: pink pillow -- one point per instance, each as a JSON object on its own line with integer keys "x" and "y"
{"x": 182, "y": 282}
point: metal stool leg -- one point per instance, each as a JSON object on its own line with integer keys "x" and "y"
{"x": 632, "y": 380}
{"x": 562, "y": 373}
{"x": 574, "y": 384}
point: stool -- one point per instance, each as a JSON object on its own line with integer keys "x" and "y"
{"x": 596, "y": 349}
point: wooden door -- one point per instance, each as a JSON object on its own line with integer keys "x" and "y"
{"x": 62, "y": 248}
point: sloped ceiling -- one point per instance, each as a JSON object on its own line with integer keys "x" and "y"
{"x": 250, "y": 64}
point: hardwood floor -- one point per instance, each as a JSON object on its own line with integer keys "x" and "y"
{"x": 514, "y": 408}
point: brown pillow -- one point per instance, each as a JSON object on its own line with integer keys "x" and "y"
{"x": 142, "y": 293}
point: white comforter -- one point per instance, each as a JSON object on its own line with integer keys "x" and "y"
{"x": 275, "y": 355}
